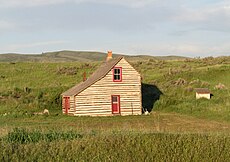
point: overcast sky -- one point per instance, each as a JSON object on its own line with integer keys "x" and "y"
{"x": 153, "y": 27}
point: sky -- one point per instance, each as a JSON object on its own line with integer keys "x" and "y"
{"x": 193, "y": 28}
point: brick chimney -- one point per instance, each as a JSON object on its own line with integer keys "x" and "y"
{"x": 109, "y": 56}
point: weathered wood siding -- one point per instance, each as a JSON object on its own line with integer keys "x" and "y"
{"x": 205, "y": 95}
{"x": 72, "y": 103}
{"x": 96, "y": 99}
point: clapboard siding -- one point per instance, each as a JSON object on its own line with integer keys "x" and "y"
{"x": 96, "y": 99}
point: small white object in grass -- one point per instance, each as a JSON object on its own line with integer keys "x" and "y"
{"x": 146, "y": 112}
{"x": 46, "y": 111}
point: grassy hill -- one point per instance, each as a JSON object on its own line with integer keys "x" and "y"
{"x": 70, "y": 56}
{"x": 179, "y": 128}
{"x": 32, "y": 86}
{"x": 60, "y": 56}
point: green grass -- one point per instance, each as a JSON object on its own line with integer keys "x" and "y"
{"x": 41, "y": 75}
{"x": 36, "y": 86}
{"x": 180, "y": 128}
{"x": 29, "y": 87}
{"x": 22, "y": 136}
{"x": 118, "y": 146}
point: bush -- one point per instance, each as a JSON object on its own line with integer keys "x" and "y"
{"x": 67, "y": 70}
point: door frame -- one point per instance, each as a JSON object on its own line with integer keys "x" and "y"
{"x": 66, "y": 104}
{"x": 118, "y": 104}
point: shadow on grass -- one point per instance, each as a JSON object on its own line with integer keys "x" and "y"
{"x": 150, "y": 94}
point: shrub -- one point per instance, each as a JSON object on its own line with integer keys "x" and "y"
{"x": 67, "y": 70}
{"x": 220, "y": 86}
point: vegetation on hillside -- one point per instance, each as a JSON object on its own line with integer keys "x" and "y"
{"x": 29, "y": 87}
{"x": 177, "y": 80}
{"x": 179, "y": 128}
{"x": 71, "y": 56}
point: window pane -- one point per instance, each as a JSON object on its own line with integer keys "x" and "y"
{"x": 114, "y": 98}
{"x": 116, "y": 77}
{"x": 116, "y": 71}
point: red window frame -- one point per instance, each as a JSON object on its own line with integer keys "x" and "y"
{"x": 115, "y": 105}
{"x": 120, "y": 74}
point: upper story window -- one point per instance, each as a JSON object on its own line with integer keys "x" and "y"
{"x": 117, "y": 74}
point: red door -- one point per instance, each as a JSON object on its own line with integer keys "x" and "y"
{"x": 115, "y": 104}
{"x": 67, "y": 105}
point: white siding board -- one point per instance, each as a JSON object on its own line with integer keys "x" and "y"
{"x": 198, "y": 96}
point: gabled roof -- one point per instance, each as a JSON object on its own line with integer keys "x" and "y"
{"x": 96, "y": 76}
{"x": 202, "y": 90}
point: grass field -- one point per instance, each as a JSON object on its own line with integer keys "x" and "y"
{"x": 123, "y": 147}
{"x": 179, "y": 128}
{"x": 157, "y": 137}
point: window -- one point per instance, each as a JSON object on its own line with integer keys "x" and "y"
{"x": 117, "y": 74}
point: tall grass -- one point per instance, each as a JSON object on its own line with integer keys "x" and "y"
{"x": 23, "y": 136}
{"x": 119, "y": 146}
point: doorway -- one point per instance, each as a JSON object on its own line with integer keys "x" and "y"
{"x": 115, "y": 104}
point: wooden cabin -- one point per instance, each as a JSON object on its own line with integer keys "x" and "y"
{"x": 113, "y": 89}
{"x": 203, "y": 93}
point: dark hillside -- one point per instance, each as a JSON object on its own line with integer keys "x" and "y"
{"x": 60, "y": 56}
{"x": 80, "y": 56}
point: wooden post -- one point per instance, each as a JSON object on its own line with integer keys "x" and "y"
{"x": 84, "y": 76}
